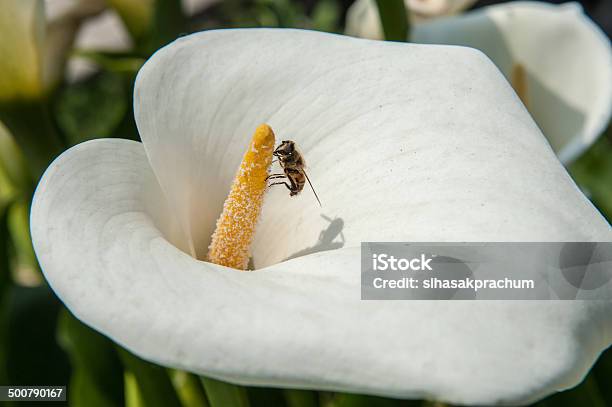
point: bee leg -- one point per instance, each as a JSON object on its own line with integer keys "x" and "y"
{"x": 272, "y": 176}
{"x": 294, "y": 190}
{"x": 281, "y": 183}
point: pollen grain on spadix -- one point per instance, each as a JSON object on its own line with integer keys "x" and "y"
{"x": 236, "y": 225}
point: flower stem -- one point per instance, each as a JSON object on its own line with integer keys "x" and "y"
{"x": 300, "y": 398}
{"x": 189, "y": 389}
{"x": 153, "y": 382}
{"x": 394, "y": 19}
{"x": 221, "y": 394}
{"x": 34, "y": 131}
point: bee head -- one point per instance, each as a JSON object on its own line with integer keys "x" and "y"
{"x": 285, "y": 149}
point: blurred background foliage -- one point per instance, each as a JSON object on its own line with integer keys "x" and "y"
{"x": 41, "y": 343}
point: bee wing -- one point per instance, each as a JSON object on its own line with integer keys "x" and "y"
{"x": 313, "y": 190}
{"x": 299, "y": 154}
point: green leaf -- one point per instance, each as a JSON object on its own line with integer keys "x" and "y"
{"x": 33, "y": 355}
{"x": 154, "y": 383}
{"x": 5, "y": 285}
{"x": 301, "y": 398}
{"x": 93, "y": 108}
{"x": 152, "y": 23}
{"x": 394, "y": 19}
{"x": 326, "y": 15}
{"x": 114, "y": 62}
{"x": 132, "y": 392}
{"x": 593, "y": 173}
{"x": 168, "y": 22}
{"x": 97, "y": 378}
{"x": 14, "y": 175}
{"x": 5, "y": 255}
{"x": 25, "y": 268}
{"x": 189, "y": 389}
{"x": 358, "y": 400}
{"x": 32, "y": 127}
{"x": 136, "y": 14}
{"x": 603, "y": 374}
{"x": 222, "y": 394}
{"x": 265, "y": 396}
{"x": 585, "y": 394}
{"x": 280, "y": 13}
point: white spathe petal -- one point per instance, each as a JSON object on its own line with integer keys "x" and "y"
{"x": 447, "y": 154}
{"x": 568, "y": 60}
{"x": 438, "y": 126}
{"x": 363, "y": 19}
{"x": 298, "y": 323}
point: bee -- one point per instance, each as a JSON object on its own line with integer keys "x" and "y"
{"x": 293, "y": 164}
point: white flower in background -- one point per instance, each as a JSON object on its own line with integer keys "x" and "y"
{"x": 33, "y": 52}
{"x": 363, "y": 20}
{"x": 102, "y": 29}
{"x": 102, "y": 33}
{"x": 565, "y": 58}
{"x": 404, "y": 143}
{"x": 105, "y": 31}
{"x": 558, "y": 60}
{"x": 193, "y": 7}
{"x": 99, "y": 29}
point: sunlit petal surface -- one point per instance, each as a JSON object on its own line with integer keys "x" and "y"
{"x": 404, "y": 143}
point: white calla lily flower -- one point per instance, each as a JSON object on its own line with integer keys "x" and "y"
{"x": 104, "y": 30}
{"x": 102, "y": 33}
{"x": 571, "y": 100}
{"x": 84, "y": 25}
{"x": 193, "y": 7}
{"x": 64, "y": 20}
{"x": 363, "y": 19}
{"x": 405, "y": 143}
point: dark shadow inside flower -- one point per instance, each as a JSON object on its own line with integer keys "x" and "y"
{"x": 559, "y": 121}
{"x": 330, "y": 238}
